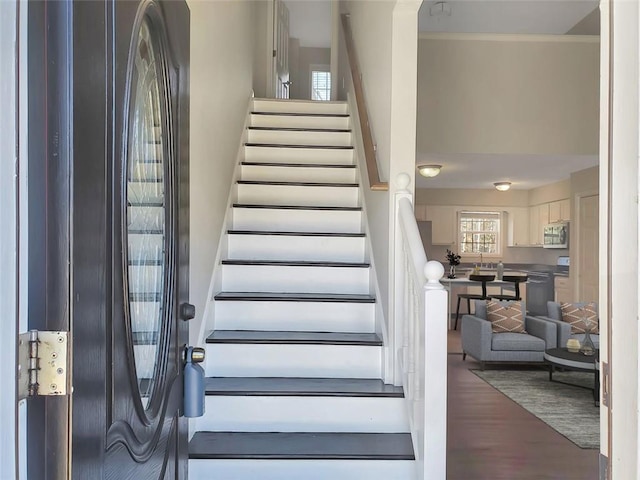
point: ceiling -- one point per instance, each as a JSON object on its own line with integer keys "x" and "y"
{"x": 310, "y": 22}
{"x": 555, "y": 17}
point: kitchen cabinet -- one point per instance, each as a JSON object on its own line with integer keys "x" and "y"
{"x": 562, "y": 287}
{"x": 443, "y": 224}
{"x": 518, "y": 227}
{"x": 420, "y": 212}
{"x": 560, "y": 211}
{"x": 538, "y": 218}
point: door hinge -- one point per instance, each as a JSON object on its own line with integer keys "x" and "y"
{"x": 274, "y": 54}
{"x": 43, "y": 363}
{"x": 606, "y": 384}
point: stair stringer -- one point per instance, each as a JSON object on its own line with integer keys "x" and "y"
{"x": 208, "y": 315}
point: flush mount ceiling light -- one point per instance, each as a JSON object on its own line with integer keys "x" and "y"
{"x": 502, "y": 186}
{"x": 429, "y": 170}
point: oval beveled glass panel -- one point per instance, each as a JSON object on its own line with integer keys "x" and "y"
{"x": 146, "y": 209}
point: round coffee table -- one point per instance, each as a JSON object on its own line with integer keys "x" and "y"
{"x": 563, "y": 358}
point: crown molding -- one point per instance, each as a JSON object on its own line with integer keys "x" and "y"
{"x": 509, "y": 37}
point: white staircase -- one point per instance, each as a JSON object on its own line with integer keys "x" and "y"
{"x": 294, "y": 387}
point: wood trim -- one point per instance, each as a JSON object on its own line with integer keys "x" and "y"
{"x": 365, "y": 127}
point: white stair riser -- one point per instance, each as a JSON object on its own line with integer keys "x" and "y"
{"x": 293, "y": 137}
{"x": 146, "y": 246}
{"x": 271, "y": 278}
{"x": 264, "y": 219}
{"x": 283, "y": 247}
{"x": 295, "y": 316}
{"x": 303, "y": 414}
{"x": 298, "y": 195}
{"x": 299, "y": 106}
{"x": 291, "y": 121}
{"x": 331, "y": 156}
{"x": 298, "y": 174}
{"x": 302, "y": 469}
{"x": 276, "y": 360}
{"x": 145, "y": 192}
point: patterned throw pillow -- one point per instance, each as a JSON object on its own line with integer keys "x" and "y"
{"x": 574, "y": 314}
{"x": 505, "y": 317}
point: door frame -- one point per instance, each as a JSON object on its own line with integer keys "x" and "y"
{"x": 619, "y": 250}
{"x": 9, "y": 242}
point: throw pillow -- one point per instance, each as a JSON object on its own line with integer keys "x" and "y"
{"x": 575, "y": 314}
{"x": 505, "y": 317}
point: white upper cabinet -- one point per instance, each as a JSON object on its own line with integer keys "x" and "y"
{"x": 560, "y": 211}
{"x": 518, "y": 227}
{"x": 443, "y": 224}
{"x": 538, "y": 218}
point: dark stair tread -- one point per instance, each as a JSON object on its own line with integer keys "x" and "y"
{"x": 294, "y": 234}
{"x": 295, "y": 297}
{"x": 301, "y": 446}
{"x": 287, "y": 145}
{"x": 295, "y": 263}
{"x": 293, "y": 338}
{"x": 301, "y": 387}
{"x": 296, "y": 184}
{"x": 302, "y": 129}
{"x": 301, "y": 114}
{"x": 301, "y": 165}
{"x": 297, "y": 207}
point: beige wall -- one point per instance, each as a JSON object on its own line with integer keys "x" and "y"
{"x": 385, "y": 37}
{"x": 508, "y": 94}
{"x": 550, "y": 193}
{"x": 301, "y": 74}
{"x": 261, "y": 48}
{"x": 222, "y": 53}
{"x": 371, "y": 23}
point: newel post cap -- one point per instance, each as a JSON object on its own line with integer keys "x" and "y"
{"x": 402, "y": 181}
{"x": 433, "y": 271}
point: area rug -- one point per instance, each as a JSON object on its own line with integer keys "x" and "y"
{"x": 567, "y": 409}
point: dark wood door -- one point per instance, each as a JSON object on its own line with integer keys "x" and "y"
{"x": 129, "y": 248}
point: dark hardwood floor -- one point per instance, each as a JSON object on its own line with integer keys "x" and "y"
{"x": 490, "y": 437}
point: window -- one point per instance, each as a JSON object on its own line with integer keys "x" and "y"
{"x": 320, "y": 85}
{"x": 479, "y": 233}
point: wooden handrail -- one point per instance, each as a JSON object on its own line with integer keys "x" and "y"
{"x": 367, "y": 138}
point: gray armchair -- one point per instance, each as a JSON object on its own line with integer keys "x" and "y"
{"x": 554, "y": 315}
{"x": 479, "y": 341}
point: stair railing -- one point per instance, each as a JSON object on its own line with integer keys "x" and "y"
{"x": 367, "y": 138}
{"x": 418, "y": 338}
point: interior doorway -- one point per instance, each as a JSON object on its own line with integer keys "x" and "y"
{"x": 308, "y": 50}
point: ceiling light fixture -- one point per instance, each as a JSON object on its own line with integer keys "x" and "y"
{"x": 429, "y": 170}
{"x": 502, "y": 186}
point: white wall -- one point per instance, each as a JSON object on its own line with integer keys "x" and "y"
{"x": 371, "y": 24}
{"x": 385, "y": 38}
{"x": 508, "y": 94}
{"x": 222, "y": 57}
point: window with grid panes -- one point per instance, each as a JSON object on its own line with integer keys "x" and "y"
{"x": 320, "y": 85}
{"x": 479, "y": 232}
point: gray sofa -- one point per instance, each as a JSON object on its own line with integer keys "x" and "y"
{"x": 479, "y": 341}
{"x": 554, "y": 315}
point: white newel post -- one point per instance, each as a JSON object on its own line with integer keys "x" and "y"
{"x": 435, "y": 368}
{"x": 398, "y": 287}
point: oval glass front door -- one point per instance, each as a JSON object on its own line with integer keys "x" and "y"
{"x": 146, "y": 210}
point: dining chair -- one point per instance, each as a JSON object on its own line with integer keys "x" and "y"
{"x": 516, "y": 280}
{"x": 483, "y": 279}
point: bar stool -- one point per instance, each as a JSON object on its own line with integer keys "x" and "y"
{"x": 473, "y": 296}
{"x": 516, "y": 280}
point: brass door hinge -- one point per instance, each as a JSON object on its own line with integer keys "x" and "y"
{"x": 606, "y": 384}
{"x": 43, "y": 363}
